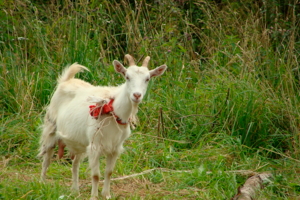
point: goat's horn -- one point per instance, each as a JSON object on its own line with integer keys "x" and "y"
{"x": 130, "y": 59}
{"x": 145, "y": 62}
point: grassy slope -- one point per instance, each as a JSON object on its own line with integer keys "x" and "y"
{"x": 228, "y": 102}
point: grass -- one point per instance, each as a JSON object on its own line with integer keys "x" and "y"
{"x": 228, "y": 103}
{"x": 212, "y": 173}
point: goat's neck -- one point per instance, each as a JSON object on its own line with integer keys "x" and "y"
{"x": 124, "y": 108}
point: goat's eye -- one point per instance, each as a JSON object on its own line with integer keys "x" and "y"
{"x": 147, "y": 79}
{"x": 127, "y": 78}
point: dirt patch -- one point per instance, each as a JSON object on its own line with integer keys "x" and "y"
{"x": 144, "y": 189}
{"x": 130, "y": 188}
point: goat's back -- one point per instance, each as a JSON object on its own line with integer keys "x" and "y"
{"x": 69, "y": 107}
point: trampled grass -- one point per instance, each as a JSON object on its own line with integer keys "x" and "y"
{"x": 227, "y": 107}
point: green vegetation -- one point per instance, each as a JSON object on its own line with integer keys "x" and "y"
{"x": 229, "y": 100}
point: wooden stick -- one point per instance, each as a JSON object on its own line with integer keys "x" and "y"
{"x": 251, "y": 186}
{"x": 243, "y": 172}
{"x": 150, "y": 170}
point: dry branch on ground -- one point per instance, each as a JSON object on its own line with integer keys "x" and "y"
{"x": 249, "y": 190}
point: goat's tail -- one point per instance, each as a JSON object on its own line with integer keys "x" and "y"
{"x": 70, "y": 72}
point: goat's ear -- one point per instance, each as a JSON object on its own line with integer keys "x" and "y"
{"x": 158, "y": 71}
{"x": 119, "y": 67}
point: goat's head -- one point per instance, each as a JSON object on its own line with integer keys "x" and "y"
{"x": 137, "y": 78}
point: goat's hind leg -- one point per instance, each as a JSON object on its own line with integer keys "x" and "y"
{"x": 46, "y": 162}
{"x": 47, "y": 143}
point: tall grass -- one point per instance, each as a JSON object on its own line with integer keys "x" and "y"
{"x": 229, "y": 99}
{"x": 258, "y": 63}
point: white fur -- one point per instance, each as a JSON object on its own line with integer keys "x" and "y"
{"x": 67, "y": 119}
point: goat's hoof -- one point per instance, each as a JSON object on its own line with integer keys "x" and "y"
{"x": 106, "y": 196}
{"x": 75, "y": 189}
{"x": 42, "y": 180}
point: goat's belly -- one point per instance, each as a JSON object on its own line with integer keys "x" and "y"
{"x": 76, "y": 143}
{"x": 74, "y": 147}
{"x": 72, "y": 130}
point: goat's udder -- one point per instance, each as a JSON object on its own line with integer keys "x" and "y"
{"x": 61, "y": 150}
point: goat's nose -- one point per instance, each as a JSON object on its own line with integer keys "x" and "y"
{"x": 137, "y": 95}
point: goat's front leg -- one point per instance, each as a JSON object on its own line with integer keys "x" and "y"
{"x": 75, "y": 172}
{"x": 94, "y": 155}
{"x": 110, "y": 164}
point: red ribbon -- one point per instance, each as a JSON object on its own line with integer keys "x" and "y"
{"x": 105, "y": 109}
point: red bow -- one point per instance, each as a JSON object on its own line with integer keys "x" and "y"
{"x": 105, "y": 109}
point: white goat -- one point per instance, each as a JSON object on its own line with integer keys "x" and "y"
{"x": 70, "y": 122}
